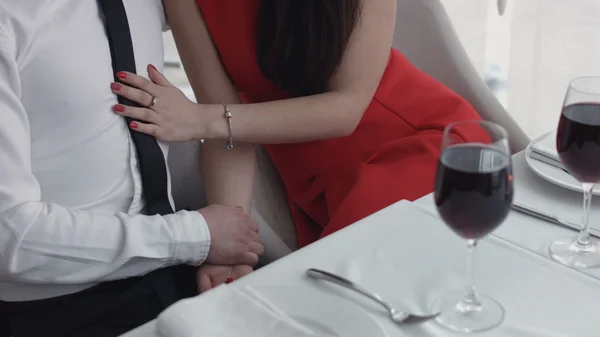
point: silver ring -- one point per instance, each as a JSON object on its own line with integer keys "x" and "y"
{"x": 154, "y": 101}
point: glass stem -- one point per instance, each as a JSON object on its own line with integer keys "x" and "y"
{"x": 470, "y": 301}
{"x": 584, "y": 236}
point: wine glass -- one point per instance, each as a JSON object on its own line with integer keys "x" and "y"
{"x": 473, "y": 195}
{"x": 578, "y": 146}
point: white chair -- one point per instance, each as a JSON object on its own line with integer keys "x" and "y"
{"x": 425, "y": 35}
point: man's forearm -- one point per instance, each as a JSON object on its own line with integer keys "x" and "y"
{"x": 47, "y": 243}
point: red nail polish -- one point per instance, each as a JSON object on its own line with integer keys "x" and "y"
{"x": 115, "y": 86}
{"x": 152, "y": 67}
{"x": 119, "y": 108}
{"x": 229, "y": 280}
{"x": 122, "y": 75}
{"x": 133, "y": 125}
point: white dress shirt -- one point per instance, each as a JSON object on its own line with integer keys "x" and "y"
{"x": 70, "y": 192}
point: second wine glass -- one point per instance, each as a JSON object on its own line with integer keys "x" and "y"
{"x": 578, "y": 147}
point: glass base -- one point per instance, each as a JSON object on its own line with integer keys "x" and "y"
{"x": 465, "y": 317}
{"x": 570, "y": 252}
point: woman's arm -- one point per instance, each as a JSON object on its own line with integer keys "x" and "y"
{"x": 335, "y": 113}
{"x": 228, "y": 174}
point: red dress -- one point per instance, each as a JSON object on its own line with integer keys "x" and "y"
{"x": 391, "y": 156}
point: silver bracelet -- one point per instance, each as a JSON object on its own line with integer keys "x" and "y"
{"x": 227, "y": 115}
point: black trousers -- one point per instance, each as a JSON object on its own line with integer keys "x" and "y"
{"x": 106, "y": 310}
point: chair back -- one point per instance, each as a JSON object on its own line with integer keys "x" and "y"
{"x": 425, "y": 35}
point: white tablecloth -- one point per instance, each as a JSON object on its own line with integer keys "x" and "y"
{"x": 411, "y": 258}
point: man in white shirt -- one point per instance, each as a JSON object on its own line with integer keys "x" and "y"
{"x": 75, "y": 239}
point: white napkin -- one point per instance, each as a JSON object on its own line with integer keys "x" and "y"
{"x": 227, "y": 311}
{"x": 544, "y": 150}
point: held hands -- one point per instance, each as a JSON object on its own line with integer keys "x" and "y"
{"x": 234, "y": 236}
{"x": 234, "y": 249}
{"x": 168, "y": 113}
{"x": 210, "y": 276}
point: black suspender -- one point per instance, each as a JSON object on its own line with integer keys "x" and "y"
{"x": 152, "y": 164}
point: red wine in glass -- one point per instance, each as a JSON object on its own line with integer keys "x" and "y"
{"x": 473, "y": 195}
{"x": 578, "y": 147}
{"x": 578, "y": 141}
{"x": 473, "y": 191}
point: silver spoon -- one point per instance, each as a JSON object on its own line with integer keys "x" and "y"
{"x": 397, "y": 316}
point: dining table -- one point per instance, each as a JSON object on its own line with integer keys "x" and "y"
{"x": 408, "y": 255}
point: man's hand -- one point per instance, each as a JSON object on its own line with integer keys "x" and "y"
{"x": 234, "y": 236}
{"x": 210, "y": 276}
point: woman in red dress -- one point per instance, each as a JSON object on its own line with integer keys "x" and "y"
{"x": 349, "y": 123}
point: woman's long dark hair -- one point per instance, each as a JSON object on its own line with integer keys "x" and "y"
{"x": 300, "y": 43}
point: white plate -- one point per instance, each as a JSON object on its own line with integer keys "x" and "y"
{"x": 322, "y": 312}
{"x": 553, "y": 174}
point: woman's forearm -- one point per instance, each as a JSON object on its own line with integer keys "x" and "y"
{"x": 228, "y": 174}
{"x": 295, "y": 120}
